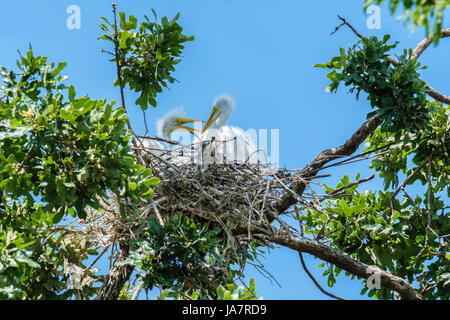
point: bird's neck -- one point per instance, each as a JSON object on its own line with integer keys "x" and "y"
{"x": 222, "y": 120}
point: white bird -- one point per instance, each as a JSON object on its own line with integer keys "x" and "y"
{"x": 226, "y": 144}
{"x": 173, "y": 121}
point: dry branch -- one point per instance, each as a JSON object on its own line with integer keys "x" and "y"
{"x": 311, "y": 170}
{"x": 399, "y": 285}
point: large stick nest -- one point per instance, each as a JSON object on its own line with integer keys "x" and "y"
{"x": 233, "y": 194}
{"x": 239, "y": 197}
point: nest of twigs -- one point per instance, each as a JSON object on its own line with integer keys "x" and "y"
{"x": 239, "y": 197}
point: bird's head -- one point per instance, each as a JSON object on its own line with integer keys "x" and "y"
{"x": 172, "y": 121}
{"x": 221, "y": 111}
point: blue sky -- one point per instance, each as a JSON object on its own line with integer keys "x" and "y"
{"x": 260, "y": 52}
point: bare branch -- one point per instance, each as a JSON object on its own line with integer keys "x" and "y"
{"x": 344, "y": 22}
{"x": 394, "y": 194}
{"x": 425, "y": 43}
{"x": 387, "y": 280}
{"x": 315, "y": 281}
{"x": 350, "y": 185}
{"x": 437, "y": 95}
{"x": 311, "y": 170}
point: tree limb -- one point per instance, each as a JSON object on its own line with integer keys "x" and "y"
{"x": 311, "y": 170}
{"x": 355, "y": 267}
{"x": 425, "y": 43}
{"x": 302, "y": 261}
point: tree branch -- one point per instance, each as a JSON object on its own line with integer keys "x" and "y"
{"x": 387, "y": 280}
{"x": 425, "y": 43}
{"x": 315, "y": 281}
{"x": 418, "y": 50}
{"x": 344, "y": 22}
{"x": 311, "y": 170}
{"x": 403, "y": 185}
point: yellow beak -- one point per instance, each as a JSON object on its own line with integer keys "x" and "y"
{"x": 183, "y": 121}
{"x": 213, "y": 117}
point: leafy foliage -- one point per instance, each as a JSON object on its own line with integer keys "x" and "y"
{"x": 422, "y": 13}
{"x": 15, "y": 264}
{"x": 416, "y": 148}
{"x": 362, "y": 225}
{"x": 182, "y": 258}
{"x": 395, "y": 91}
{"x": 58, "y": 155}
{"x": 231, "y": 292}
{"x": 147, "y": 55}
{"x": 64, "y": 152}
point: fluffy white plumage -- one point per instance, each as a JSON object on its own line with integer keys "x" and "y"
{"x": 173, "y": 121}
{"x": 230, "y": 144}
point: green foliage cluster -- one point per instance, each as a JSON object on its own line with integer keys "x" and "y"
{"x": 421, "y": 13}
{"x": 362, "y": 225}
{"x": 417, "y": 148}
{"x": 16, "y": 263}
{"x": 147, "y": 55}
{"x": 184, "y": 258}
{"x": 66, "y": 152}
{"x": 404, "y": 238}
{"x": 396, "y": 92}
{"x": 58, "y": 155}
{"x": 231, "y": 292}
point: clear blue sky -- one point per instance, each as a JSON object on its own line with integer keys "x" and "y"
{"x": 260, "y": 52}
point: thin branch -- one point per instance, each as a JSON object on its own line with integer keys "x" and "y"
{"x": 340, "y": 228}
{"x": 96, "y": 259}
{"x": 137, "y": 291}
{"x": 428, "y": 209}
{"x": 351, "y": 185}
{"x": 27, "y": 155}
{"x": 145, "y": 123}
{"x": 342, "y": 261}
{"x": 344, "y": 22}
{"x": 118, "y": 67}
{"x": 394, "y": 194}
{"x": 311, "y": 170}
{"x": 315, "y": 281}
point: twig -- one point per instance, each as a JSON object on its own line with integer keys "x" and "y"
{"x": 428, "y": 209}
{"x": 344, "y": 22}
{"x": 315, "y": 281}
{"x": 340, "y": 228}
{"x": 394, "y": 194}
{"x": 145, "y": 122}
{"x": 98, "y": 257}
{"x": 322, "y": 229}
{"x": 27, "y": 155}
{"x": 350, "y": 185}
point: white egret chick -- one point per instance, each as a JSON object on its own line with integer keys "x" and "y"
{"x": 173, "y": 121}
{"x": 231, "y": 144}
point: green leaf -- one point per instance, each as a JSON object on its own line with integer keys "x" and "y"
{"x": 71, "y": 91}
{"x": 132, "y": 186}
{"x": 57, "y": 217}
{"x": 58, "y": 69}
